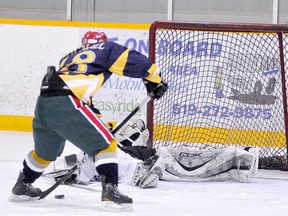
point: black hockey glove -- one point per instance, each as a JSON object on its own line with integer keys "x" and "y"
{"x": 156, "y": 89}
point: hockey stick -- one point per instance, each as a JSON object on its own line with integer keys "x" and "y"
{"x": 84, "y": 159}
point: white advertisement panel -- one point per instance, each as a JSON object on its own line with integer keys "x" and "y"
{"x": 26, "y": 51}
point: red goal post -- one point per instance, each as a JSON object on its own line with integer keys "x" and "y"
{"x": 227, "y": 87}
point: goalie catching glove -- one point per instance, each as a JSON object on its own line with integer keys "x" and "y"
{"x": 156, "y": 89}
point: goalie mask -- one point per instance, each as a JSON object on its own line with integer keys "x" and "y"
{"x": 134, "y": 134}
{"x": 94, "y": 37}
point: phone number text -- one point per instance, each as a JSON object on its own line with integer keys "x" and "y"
{"x": 222, "y": 111}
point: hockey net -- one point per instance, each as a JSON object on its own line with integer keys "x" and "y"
{"x": 227, "y": 87}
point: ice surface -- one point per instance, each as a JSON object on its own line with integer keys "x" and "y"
{"x": 261, "y": 197}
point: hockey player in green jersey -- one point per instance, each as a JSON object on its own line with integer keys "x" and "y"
{"x": 63, "y": 112}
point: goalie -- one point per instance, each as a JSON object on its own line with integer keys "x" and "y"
{"x": 142, "y": 166}
{"x": 192, "y": 164}
{"x": 133, "y": 171}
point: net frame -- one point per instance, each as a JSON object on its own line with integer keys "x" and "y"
{"x": 269, "y": 162}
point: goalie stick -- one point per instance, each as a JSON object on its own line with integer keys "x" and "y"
{"x": 84, "y": 159}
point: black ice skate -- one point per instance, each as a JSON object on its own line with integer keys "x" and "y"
{"x": 24, "y": 191}
{"x": 113, "y": 199}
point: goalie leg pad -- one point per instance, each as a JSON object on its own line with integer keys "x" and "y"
{"x": 151, "y": 181}
{"x": 147, "y": 174}
{"x": 137, "y": 174}
{"x": 215, "y": 164}
{"x": 249, "y": 157}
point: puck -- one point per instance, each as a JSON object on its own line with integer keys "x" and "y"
{"x": 59, "y": 196}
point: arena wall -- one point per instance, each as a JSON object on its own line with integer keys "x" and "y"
{"x": 29, "y": 46}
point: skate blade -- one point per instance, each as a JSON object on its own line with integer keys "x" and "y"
{"x": 117, "y": 207}
{"x": 21, "y": 198}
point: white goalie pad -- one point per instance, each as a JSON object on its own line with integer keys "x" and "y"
{"x": 148, "y": 173}
{"x": 85, "y": 175}
{"x": 211, "y": 164}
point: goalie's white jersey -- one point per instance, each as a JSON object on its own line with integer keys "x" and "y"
{"x": 126, "y": 168}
